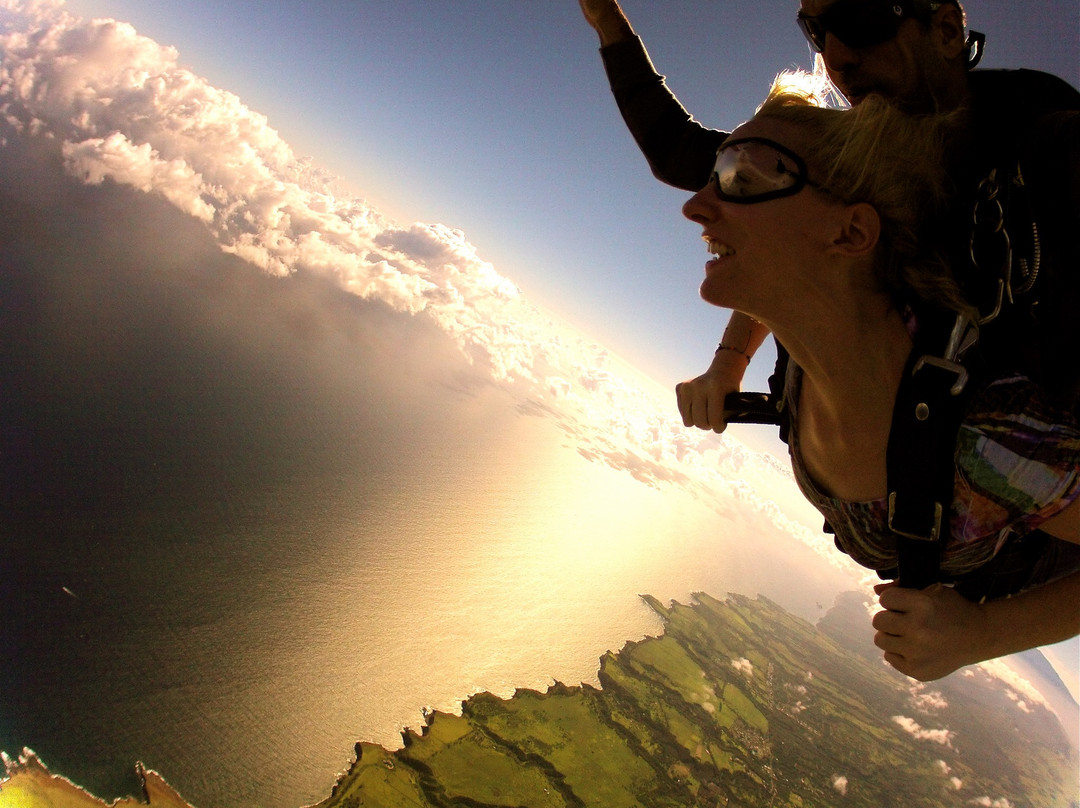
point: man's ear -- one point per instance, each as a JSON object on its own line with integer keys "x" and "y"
{"x": 860, "y": 231}
{"x": 947, "y": 31}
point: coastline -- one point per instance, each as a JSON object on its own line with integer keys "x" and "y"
{"x": 28, "y": 783}
{"x": 737, "y": 701}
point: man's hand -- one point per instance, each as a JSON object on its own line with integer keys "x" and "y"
{"x": 930, "y": 633}
{"x": 607, "y": 19}
{"x": 701, "y": 400}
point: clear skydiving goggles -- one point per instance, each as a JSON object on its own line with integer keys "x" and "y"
{"x": 862, "y": 23}
{"x": 755, "y": 169}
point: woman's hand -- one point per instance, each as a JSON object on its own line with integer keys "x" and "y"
{"x": 701, "y": 400}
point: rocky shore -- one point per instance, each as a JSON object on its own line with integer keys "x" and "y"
{"x": 28, "y": 783}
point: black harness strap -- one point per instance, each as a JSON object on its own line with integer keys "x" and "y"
{"x": 920, "y": 463}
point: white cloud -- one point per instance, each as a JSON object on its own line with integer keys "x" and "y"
{"x": 121, "y": 108}
{"x": 1020, "y": 703}
{"x": 743, "y": 666}
{"x": 927, "y": 701}
{"x": 946, "y": 770}
{"x": 910, "y": 726}
{"x": 840, "y": 783}
{"x": 141, "y": 167}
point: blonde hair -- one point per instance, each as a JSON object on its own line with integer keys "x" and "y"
{"x": 892, "y": 160}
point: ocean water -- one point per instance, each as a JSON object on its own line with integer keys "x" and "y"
{"x": 241, "y": 646}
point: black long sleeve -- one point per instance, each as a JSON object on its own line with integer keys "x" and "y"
{"x": 680, "y": 151}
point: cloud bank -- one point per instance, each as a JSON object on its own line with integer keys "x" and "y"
{"x": 120, "y": 108}
{"x": 1020, "y": 691}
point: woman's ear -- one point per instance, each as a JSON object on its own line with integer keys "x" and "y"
{"x": 860, "y": 230}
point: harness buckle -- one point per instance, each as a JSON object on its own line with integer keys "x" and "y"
{"x": 948, "y": 366}
{"x": 963, "y": 336}
{"x": 935, "y": 530}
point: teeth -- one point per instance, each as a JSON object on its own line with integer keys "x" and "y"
{"x": 719, "y": 249}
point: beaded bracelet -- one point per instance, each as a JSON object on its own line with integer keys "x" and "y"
{"x": 743, "y": 354}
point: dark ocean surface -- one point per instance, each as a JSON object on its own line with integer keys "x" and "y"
{"x": 242, "y": 646}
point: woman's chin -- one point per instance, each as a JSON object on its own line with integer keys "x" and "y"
{"x": 713, "y": 293}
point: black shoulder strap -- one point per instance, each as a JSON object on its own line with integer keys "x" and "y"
{"x": 920, "y": 467}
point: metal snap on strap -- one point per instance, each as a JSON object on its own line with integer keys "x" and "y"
{"x": 935, "y": 530}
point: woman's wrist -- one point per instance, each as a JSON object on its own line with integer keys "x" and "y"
{"x": 722, "y": 347}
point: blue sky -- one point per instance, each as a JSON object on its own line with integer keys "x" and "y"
{"x": 493, "y": 116}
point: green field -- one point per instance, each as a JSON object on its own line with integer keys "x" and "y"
{"x": 738, "y": 704}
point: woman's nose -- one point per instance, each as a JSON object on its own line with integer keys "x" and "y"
{"x": 701, "y": 207}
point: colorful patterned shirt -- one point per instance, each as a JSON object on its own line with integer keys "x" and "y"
{"x": 1017, "y": 465}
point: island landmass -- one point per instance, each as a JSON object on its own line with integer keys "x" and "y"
{"x": 737, "y": 703}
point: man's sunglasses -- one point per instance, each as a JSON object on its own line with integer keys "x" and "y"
{"x": 861, "y": 23}
{"x": 754, "y": 169}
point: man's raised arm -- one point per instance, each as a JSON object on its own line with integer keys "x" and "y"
{"x": 681, "y": 152}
